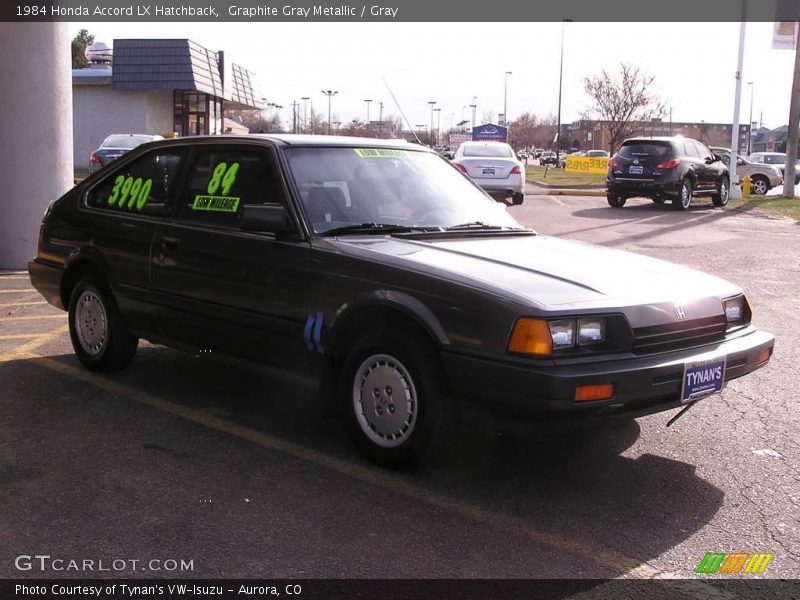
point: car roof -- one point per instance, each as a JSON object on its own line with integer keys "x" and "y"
{"x": 290, "y": 139}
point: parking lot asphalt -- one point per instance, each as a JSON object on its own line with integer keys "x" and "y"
{"x": 239, "y": 470}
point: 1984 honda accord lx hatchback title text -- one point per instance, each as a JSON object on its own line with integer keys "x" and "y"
{"x": 381, "y": 269}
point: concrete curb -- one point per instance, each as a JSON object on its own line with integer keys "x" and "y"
{"x": 575, "y": 192}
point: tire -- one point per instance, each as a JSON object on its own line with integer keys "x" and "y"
{"x": 684, "y": 199}
{"x": 96, "y": 329}
{"x": 517, "y": 199}
{"x": 615, "y": 200}
{"x": 760, "y": 185}
{"x": 393, "y": 434}
{"x": 723, "y": 193}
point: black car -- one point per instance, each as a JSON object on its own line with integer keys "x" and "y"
{"x": 548, "y": 158}
{"x": 115, "y": 146}
{"x": 666, "y": 168}
{"x": 381, "y": 270}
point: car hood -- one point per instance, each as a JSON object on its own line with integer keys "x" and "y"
{"x": 546, "y": 271}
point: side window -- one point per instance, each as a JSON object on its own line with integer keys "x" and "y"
{"x": 690, "y": 150}
{"x": 223, "y": 180}
{"x": 702, "y": 151}
{"x": 145, "y": 186}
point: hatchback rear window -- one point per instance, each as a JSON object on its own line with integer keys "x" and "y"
{"x": 638, "y": 150}
{"x": 489, "y": 150}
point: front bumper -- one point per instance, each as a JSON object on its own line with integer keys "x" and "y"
{"x": 642, "y": 384}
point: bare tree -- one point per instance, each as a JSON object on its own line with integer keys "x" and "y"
{"x": 622, "y": 101}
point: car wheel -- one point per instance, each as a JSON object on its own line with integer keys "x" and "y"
{"x": 684, "y": 199}
{"x": 722, "y": 195}
{"x": 517, "y": 198}
{"x": 615, "y": 200}
{"x": 99, "y": 337}
{"x": 760, "y": 186}
{"x": 399, "y": 412}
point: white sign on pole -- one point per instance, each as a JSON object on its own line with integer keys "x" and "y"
{"x": 784, "y": 35}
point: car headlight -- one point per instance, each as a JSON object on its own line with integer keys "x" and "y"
{"x": 542, "y": 337}
{"x": 736, "y": 309}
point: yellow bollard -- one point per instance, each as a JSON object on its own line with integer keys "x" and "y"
{"x": 746, "y": 185}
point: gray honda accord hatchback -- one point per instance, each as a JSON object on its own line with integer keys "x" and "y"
{"x": 389, "y": 276}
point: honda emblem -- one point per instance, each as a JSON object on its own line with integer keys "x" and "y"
{"x": 680, "y": 311}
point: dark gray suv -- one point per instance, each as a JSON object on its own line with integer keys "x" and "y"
{"x": 666, "y": 168}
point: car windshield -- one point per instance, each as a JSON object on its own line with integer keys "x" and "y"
{"x": 125, "y": 141}
{"x": 343, "y": 186}
{"x": 490, "y": 150}
{"x": 775, "y": 159}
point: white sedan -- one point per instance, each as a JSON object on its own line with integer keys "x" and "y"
{"x": 494, "y": 167}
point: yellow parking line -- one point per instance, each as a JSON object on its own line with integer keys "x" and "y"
{"x": 26, "y": 350}
{"x": 20, "y": 336}
{"x": 33, "y": 318}
{"x": 557, "y": 201}
{"x": 26, "y": 303}
{"x": 4, "y": 277}
{"x": 30, "y": 289}
{"x": 373, "y": 476}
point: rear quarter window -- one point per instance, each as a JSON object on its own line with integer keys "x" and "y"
{"x": 145, "y": 186}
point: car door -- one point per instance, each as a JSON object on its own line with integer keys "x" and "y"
{"x": 123, "y": 210}
{"x": 221, "y": 288}
{"x": 708, "y": 168}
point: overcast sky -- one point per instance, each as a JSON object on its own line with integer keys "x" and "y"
{"x": 694, "y": 64}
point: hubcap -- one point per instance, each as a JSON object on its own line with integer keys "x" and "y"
{"x": 759, "y": 187}
{"x": 385, "y": 400}
{"x": 723, "y": 192}
{"x": 91, "y": 323}
{"x": 686, "y": 195}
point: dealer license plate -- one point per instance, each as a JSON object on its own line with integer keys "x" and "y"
{"x": 633, "y": 170}
{"x": 488, "y": 171}
{"x": 702, "y": 378}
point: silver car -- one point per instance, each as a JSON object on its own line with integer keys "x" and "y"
{"x": 777, "y": 159}
{"x": 763, "y": 177}
{"x": 494, "y": 167}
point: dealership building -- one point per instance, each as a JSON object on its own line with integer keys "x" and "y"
{"x": 153, "y": 86}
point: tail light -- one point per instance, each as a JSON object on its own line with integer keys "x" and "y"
{"x": 461, "y": 168}
{"x": 613, "y": 163}
{"x": 94, "y": 159}
{"x": 669, "y": 164}
{"x": 515, "y": 171}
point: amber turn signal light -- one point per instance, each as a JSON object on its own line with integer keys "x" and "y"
{"x": 587, "y": 393}
{"x": 531, "y": 336}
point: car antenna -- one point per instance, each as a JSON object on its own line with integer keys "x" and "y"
{"x": 386, "y": 83}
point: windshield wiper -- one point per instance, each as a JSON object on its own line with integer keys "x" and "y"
{"x": 375, "y": 228}
{"x": 480, "y": 226}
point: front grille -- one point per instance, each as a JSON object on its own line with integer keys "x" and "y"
{"x": 675, "y": 336}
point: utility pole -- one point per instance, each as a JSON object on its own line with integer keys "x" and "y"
{"x": 794, "y": 124}
{"x": 380, "y": 119}
{"x": 367, "y": 101}
{"x": 305, "y": 100}
{"x": 295, "y": 110}
{"x": 430, "y": 133}
{"x": 734, "y": 190}
{"x": 438, "y": 112}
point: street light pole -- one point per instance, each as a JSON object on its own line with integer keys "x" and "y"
{"x": 474, "y": 107}
{"x": 380, "y": 119}
{"x": 505, "y": 99}
{"x": 430, "y": 133}
{"x": 367, "y": 101}
{"x": 438, "y": 123}
{"x": 560, "y": 81}
{"x": 750, "y": 122}
{"x": 329, "y": 94}
{"x": 305, "y": 100}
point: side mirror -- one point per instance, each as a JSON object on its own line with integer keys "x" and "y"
{"x": 266, "y": 217}
{"x": 711, "y": 159}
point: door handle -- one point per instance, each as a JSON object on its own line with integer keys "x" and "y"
{"x": 170, "y": 242}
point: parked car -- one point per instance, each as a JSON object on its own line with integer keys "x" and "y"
{"x": 776, "y": 159}
{"x": 597, "y": 153}
{"x": 537, "y": 152}
{"x": 494, "y": 167}
{"x": 763, "y": 177}
{"x": 115, "y": 146}
{"x": 548, "y": 158}
{"x": 376, "y": 268}
{"x": 666, "y": 168}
